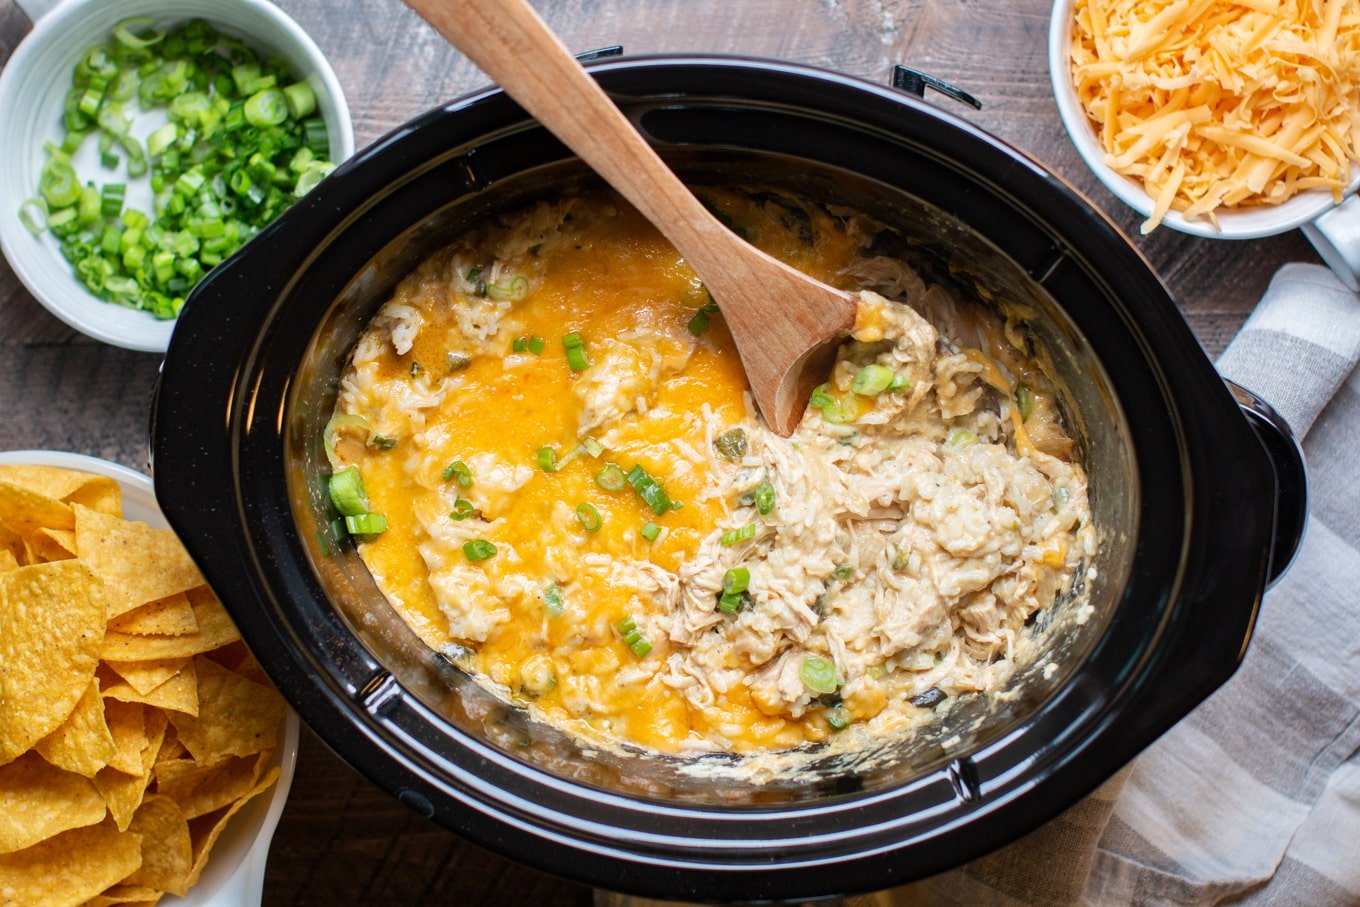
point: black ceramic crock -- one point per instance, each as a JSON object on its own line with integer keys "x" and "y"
{"x": 1198, "y": 495}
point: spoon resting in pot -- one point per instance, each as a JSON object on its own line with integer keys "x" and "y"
{"x": 783, "y": 321}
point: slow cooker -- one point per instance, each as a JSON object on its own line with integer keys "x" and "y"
{"x": 1198, "y": 492}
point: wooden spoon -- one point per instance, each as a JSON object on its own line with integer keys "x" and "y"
{"x": 783, "y": 321}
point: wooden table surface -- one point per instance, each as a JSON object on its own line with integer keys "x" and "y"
{"x": 342, "y": 840}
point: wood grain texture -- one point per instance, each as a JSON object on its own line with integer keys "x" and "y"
{"x": 343, "y": 841}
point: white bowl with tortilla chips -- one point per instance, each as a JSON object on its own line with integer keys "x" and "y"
{"x": 1333, "y": 229}
{"x": 238, "y": 835}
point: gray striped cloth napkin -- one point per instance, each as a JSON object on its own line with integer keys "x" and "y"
{"x": 1255, "y": 797}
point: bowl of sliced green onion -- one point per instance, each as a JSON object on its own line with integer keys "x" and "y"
{"x": 148, "y": 141}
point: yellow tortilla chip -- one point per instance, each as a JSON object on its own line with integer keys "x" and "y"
{"x": 167, "y": 852}
{"x": 179, "y": 693}
{"x": 169, "y": 616}
{"x": 38, "y": 800}
{"x": 127, "y": 895}
{"x": 127, "y": 725}
{"x": 205, "y": 830}
{"x": 8, "y": 561}
{"x": 11, "y": 544}
{"x": 46, "y": 874}
{"x": 235, "y": 716}
{"x": 215, "y": 630}
{"x": 25, "y": 511}
{"x": 123, "y": 792}
{"x": 67, "y": 485}
{"x": 137, "y": 562}
{"x": 200, "y": 790}
{"x": 51, "y": 630}
{"x": 82, "y": 743}
{"x": 145, "y": 676}
{"x": 51, "y": 545}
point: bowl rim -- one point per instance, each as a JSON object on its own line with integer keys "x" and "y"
{"x": 65, "y": 297}
{"x": 1233, "y": 223}
{"x": 241, "y": 884}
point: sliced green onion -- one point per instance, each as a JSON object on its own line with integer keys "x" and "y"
{"x": 737, "y": 536}
{"x": 592, "y": 447}
{"x": 632, "y": 637}
{"x": 301, "y": 100}
{"x": 266, "y": 108}
{"x": 731, "y": 444}
{"x": 458, "y": 470}
{"x": 763, "y": 497}
{"x": 650, "y": 531}
{"x": 553, "y": 602}
{"x": 818, "y": 674}
{"x": 33, "y": 215}
{"x": 547, "y": 459}
{"x": 312, "y": 176}
{"x": 519, "y": 345}
{"x": 366, "y": 524}
{"x": 108, "y": 160}
{"x": 462, "y": 509}
{"x": 962, "y": 437}
{"x": 737, "y": 580}
{"x": 478, "y": 550}
{"x": 649, "y": 490}
{"x": 111, "y": 199}
{"x": 576, "y": 352}
{"x": 314, "y": 135}
{"x": 699, "y": 322}
{"x": 1060, "y": 498}
{"x": 589, "y": 517}
{"x": 536, "y": 346}
{"x": 1024, "y": 402}
{"x": 838, "y": 718}
{"x": 899, "y": 383}
{"x": 58, "y": 185}
{"x": 347, "y": 492}
{"x": 514, "y": 291}
{"x": 333, "y": 428}
{"x": 872, "y": 380}
{"x": 843, "y": 572}
{"x": 730, "y": 602}
{"x": 137, "y": 33}
{"x": 611, "y": 478}
{"x": 842, "y": 411}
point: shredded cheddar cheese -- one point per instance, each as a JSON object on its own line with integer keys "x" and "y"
{"x": 1215, "y": 104}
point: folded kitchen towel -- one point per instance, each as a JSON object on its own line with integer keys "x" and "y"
{"x": 1255, "y": 797}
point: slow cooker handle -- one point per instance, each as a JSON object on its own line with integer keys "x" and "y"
{"x": 1336, "y": 236}
{"x": 1291, "y": 477}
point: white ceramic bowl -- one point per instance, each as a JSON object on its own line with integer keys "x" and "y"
{"x": 1305, "y": 210}
{"x": 33, "y": 86}
{"x": 234, "y": 876}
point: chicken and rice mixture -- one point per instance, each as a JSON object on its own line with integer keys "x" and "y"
{"x": 583, "y": 509}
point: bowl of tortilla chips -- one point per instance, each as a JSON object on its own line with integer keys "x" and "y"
{"x": 138, "y": 736}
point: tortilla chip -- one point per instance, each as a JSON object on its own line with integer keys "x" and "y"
{"x": 169, "y": 616}
{"x": 13, "y": 545}
{"x": 45, "y": 873}
{"x": 127, "y": 725}
{"x": 171, "y": 748}
{"x": 123, "y": 792}
{"x": 38, "y": 800}
{"x": 25, "y": 511}
{"x": 200, "y": 790}
{"x": 215, "y": 629}
{"x": 51, "y": 630}
{"x": 205, "y": 830}
{"x": 138, "y": 563}
{"x": 8, "y": 561}
{"x": 67, "y": 485}
{"x": 51, "y": 545}
{"x": 167, "y": 852}
{"x": 145, "y": 676}
{"x": 235, "y": 716}
{"x": 179, "y": 693}
{"x": 127, "y": 895}
{"x": 82, "y": 743}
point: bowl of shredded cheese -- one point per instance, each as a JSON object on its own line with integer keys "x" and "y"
{"x": 1230, "y": 120}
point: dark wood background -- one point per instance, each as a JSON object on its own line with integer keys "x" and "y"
{"x": 342, "y": 840}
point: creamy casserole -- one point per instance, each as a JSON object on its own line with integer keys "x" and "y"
{"x": 584, "y": 510}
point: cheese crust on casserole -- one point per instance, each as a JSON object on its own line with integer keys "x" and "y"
{"x": 903, "y": 538}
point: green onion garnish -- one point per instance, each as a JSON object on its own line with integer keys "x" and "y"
{"x": 1024, "y": 402}
{"x": 838, "y": 718}
{"x": 872, "y": 380}
{"x": 265, "y": 108}
{"x": 699, "y": 322}
{"x": 462, "y": 509}
{"x": 593, "y": 447}
{"x": 962, "y": 437}
{"x": 366, "y": 524}
{"x": 736, "y": 580}
{"x": 300, "y": 99}
{"x": 590, "y": 518}
{"x": 512, "y": 291}
{"x": 730, "y": 602}
{"x": 843, "y": 572}
{"x": 575, "y": 346}
{"x": 649, "y": 490}
{"x": 519, "y": 345}
{"x": 536, "y": 345}
{"x": 458, "y": 470}
{"x": 547, "y": 459}
{"x": 763, "y": 497}
{"x": 611, "y": 478}
{"x": 347, "y": 491}
{"x": 553, "y": 602}
{"x": 842, "y": 411}
{"x": 899, "y": 383}
{"x": 478, "y": 550}
{"x": 818, "y": 674}
{"x": 736, "y": 536}
{"x": 650, "y": 531}
{"x": 731, "y": 444}
{"x": 1060, "y": 498}
{"x": 632, "y": 637}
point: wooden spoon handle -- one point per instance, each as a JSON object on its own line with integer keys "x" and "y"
{"x": 510, "y": 43}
